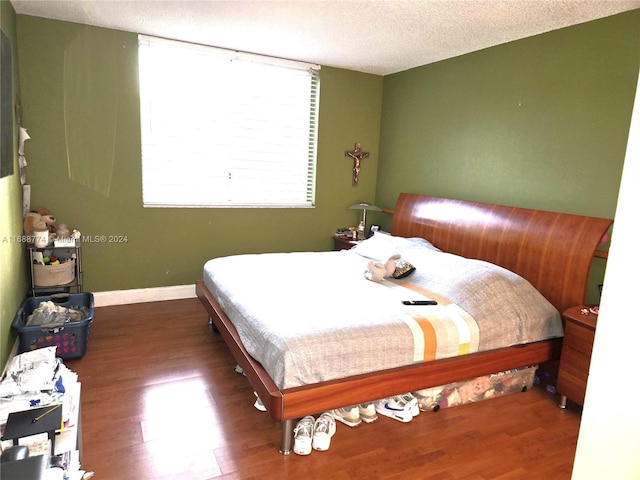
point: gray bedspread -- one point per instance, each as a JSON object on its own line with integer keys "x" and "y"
{"x": 312, "y": 316}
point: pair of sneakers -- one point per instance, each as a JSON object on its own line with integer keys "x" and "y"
{"x": 399, "y": 407}
{"x": 356, "y": 414}
{"x": 311, "y": 433}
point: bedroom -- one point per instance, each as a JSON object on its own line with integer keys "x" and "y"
{"x": 566, "y": 171}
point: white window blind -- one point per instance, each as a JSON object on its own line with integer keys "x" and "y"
{"x": 221, "y": 128}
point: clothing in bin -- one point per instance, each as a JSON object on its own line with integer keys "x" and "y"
{"x": 58, "y": 320}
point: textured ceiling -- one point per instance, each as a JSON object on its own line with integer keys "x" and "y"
{"x": 373, "y": 36}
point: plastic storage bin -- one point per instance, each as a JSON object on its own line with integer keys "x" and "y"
{"x": 70, "y": 338}
{"x": 476, "y": 389}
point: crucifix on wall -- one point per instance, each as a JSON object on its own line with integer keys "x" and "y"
{"x": 357, "y": 155}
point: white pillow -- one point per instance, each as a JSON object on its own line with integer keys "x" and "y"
{"x": 381, "y": 246}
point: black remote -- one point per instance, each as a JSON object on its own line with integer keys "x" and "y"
{"x": 419, "y": 302}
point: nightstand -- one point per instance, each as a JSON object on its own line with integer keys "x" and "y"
{"x": 343, "y": 243}
{"x": 579, "y": 332}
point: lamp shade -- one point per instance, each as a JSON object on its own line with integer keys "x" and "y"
{"x": 364, "y": 206}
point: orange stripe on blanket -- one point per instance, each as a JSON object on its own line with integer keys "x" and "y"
{"x": 430, "y": 337}
{"x": 439, "y": 331}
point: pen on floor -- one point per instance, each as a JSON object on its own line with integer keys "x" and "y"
{"x": 45, "y": 413}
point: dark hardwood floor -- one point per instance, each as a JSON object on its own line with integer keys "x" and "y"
{"x": 161, "y": 400}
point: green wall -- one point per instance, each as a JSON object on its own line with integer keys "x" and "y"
{"x": 13, "y": 266}
{"x": 540, "y": 123}
{"x": 80, "y": 102}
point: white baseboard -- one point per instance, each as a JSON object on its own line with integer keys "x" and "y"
{"x": 141, "y": 295}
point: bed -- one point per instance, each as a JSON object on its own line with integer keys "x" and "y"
{"x": 550, "y": 253}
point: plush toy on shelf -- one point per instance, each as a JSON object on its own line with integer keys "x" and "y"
{"x": 38, "y": 224}
{"x": 39, "y": 220}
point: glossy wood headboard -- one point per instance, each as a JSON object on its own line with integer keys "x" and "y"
{"x": 553, "y": 251}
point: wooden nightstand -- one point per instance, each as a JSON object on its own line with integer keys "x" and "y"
{"x": 344, "y": 243}
{"x": 580, "y": 329}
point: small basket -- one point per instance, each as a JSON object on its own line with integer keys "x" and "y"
{"x": 52, "y": 275}
{"x": 70, "y": 339}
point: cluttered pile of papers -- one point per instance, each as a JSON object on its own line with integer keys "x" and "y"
{"x": 37, "y": 379}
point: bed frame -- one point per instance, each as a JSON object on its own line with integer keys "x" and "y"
{"x": 553, "y": 251}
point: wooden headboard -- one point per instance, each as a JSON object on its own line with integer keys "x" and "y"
{"x": 553, "y": 251}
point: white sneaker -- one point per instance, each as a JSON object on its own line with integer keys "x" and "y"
{"x": 323, "y": 430}
{"x": 258, "y": 403}
{"x": 394, "y": 407}
{"x": 412, "y": 401}
{"x": 348, "y": 415}
{"x": 367, "y": 412}
{"x": 302, "y": 434}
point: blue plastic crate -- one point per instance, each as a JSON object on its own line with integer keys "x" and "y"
{"x": 70, "y": 339}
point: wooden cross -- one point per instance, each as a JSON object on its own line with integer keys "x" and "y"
{"x": 357, "y": 156}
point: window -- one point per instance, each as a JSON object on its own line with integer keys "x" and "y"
{"x": 220, "y": 128}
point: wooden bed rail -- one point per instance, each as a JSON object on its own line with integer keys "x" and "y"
{"x": 363, "y": 388}
{"x": 257, "y": 376}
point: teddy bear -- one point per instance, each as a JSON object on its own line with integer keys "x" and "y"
{"x": 38, "y": 220}
{"x": 376, "y": 271}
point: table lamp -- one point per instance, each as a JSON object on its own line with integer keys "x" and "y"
{"x": 364, "y": 206}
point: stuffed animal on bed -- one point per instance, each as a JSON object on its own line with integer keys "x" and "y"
{"x": 376, "y": 271}
{"x": 394, "y": 267}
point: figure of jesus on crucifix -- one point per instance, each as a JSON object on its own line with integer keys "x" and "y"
{"x": 357, "y": 156}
